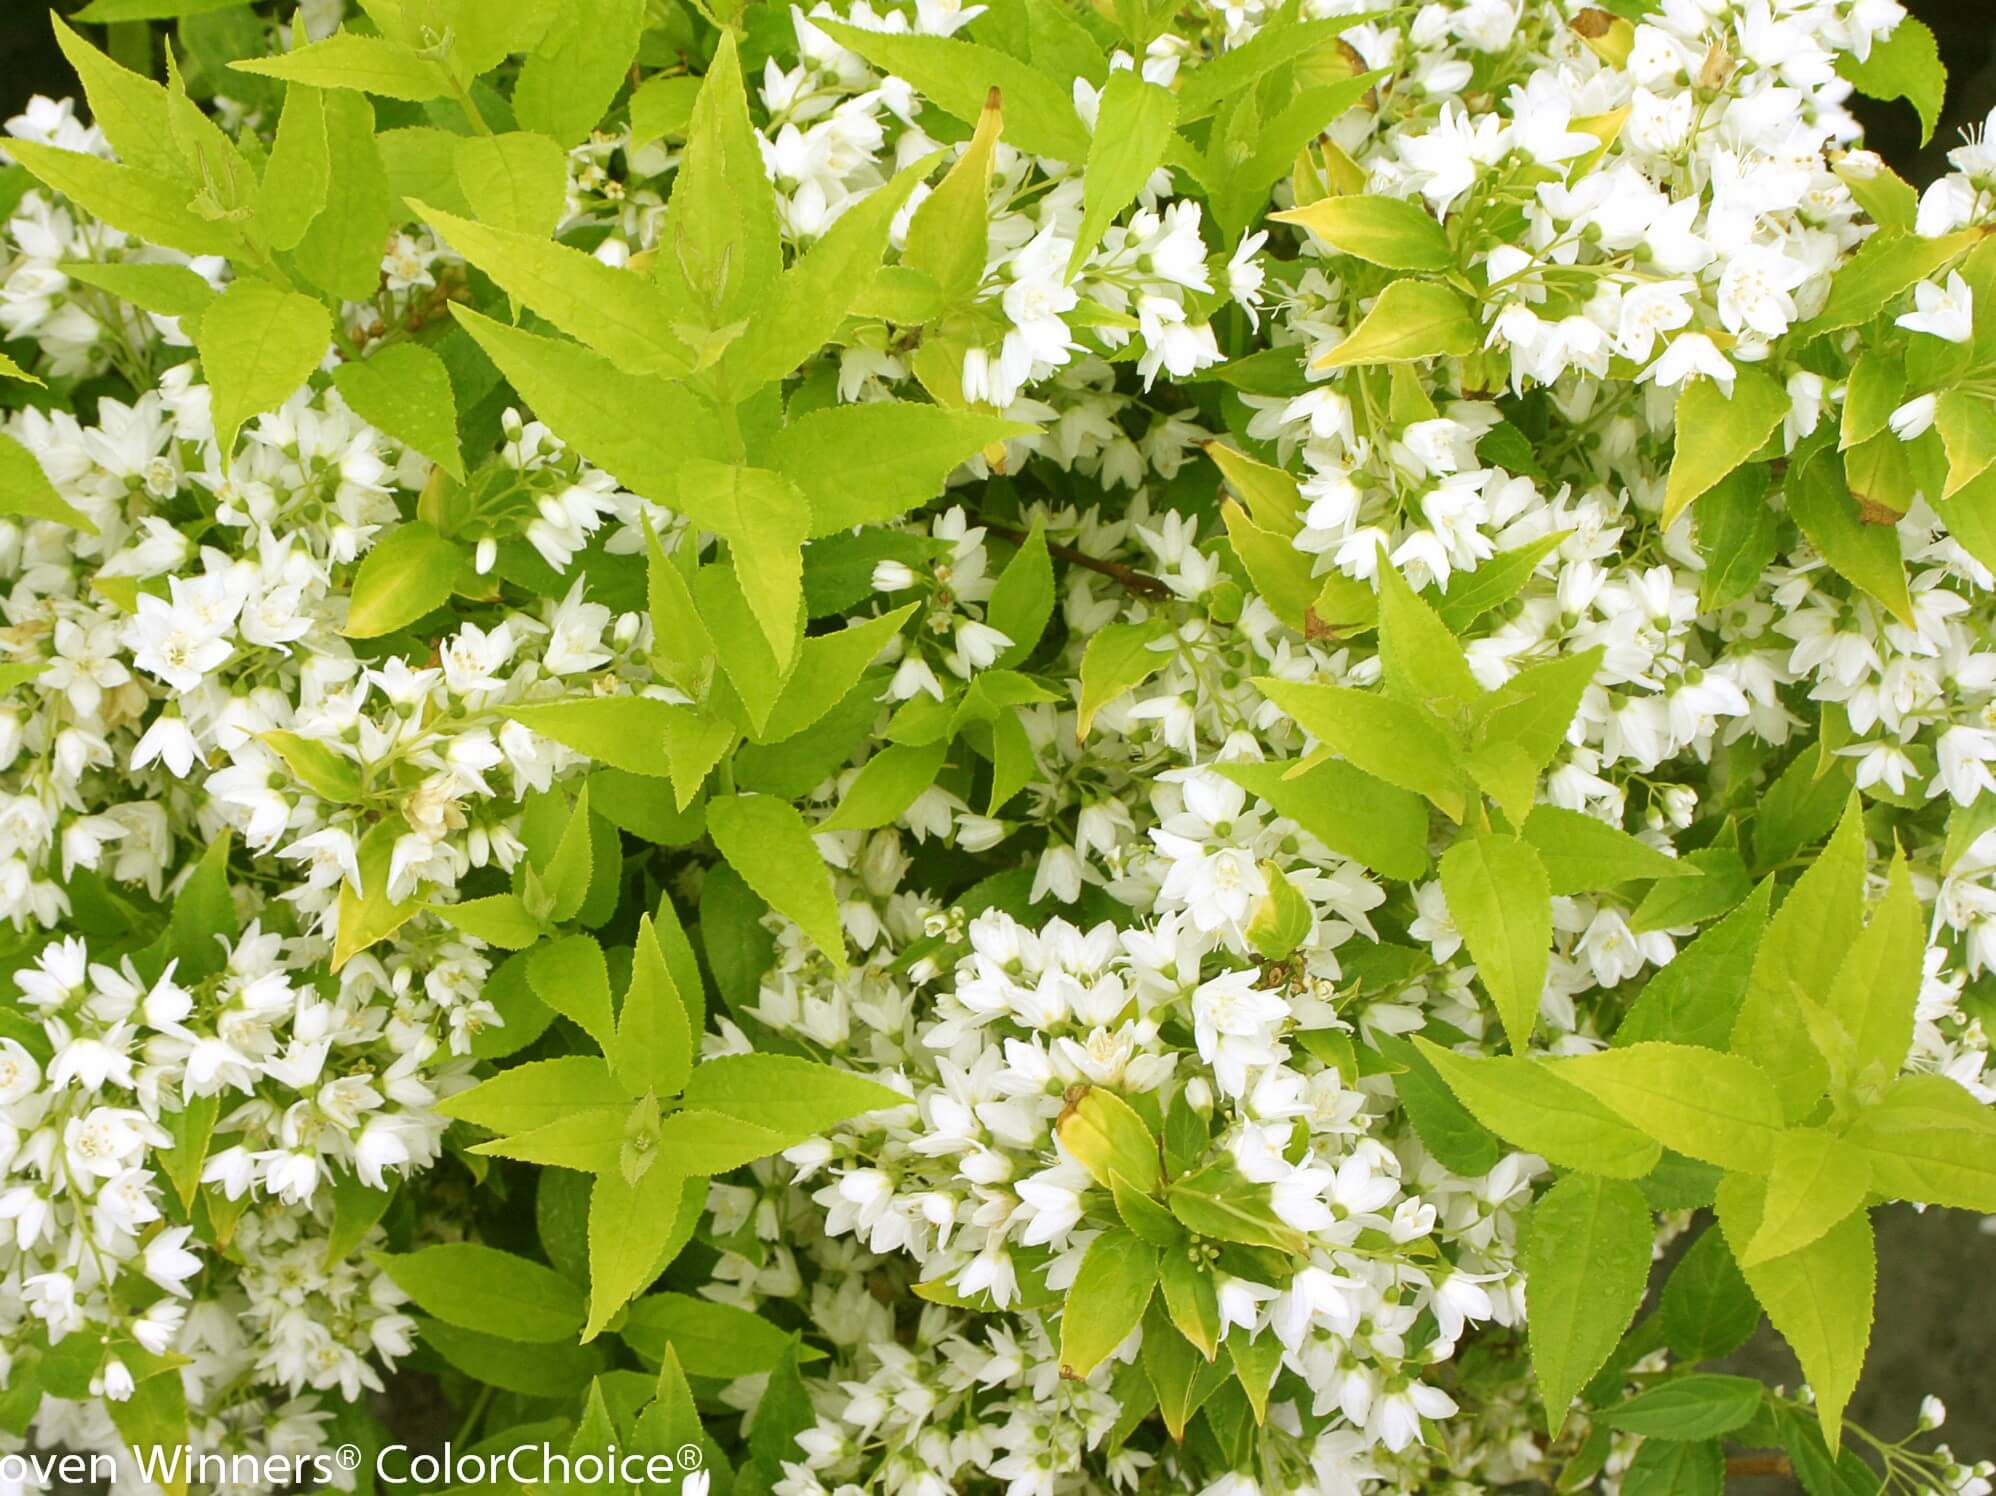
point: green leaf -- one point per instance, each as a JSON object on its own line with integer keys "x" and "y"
{"x": 1905, "y": 65}
{"x": 404, "y": 390}
{"x": 204, "y": 914}
{"x": 1022, "y": 601}
{"x": 25, "y": 490}
{"x": 1586, "y": 1266}
{"x": 1820, "y": 1298}
{"x": 867, "y": 463}
{"x": 154, "y": 1417}
{"x": 146, "y": 206}
{"x": 1696, "y": 998}
{"x": 1794, "y": 959}
{"x": 1387, "y": 231}
{"x": 318, "y": 767}
{"x": 797, "y": 1098}
{"x": 1708, "y": 1310}
{"x": 617, "y": 312}
{"x": 1133, "y": 125}
{"x": 537, "y": 1371}
{"x": 1448, "y": 1128}
{"x": 532, "y": 1095}
{"x": 1884, "y": 267}
{"x": 1716, "y": 1107}
{"x": 1412, "y": 319}
{"x": 1716, "y": 432}
{"x": 654, "y": 1043}
{"x": 1116, "y": 660}
{"x": 1676, "y": 1468}
{"x": 1227, "y": 76}
{"x": 481, "y": 1288}
{"x": 1495, "y": 582}
{"x": 1701, "y": 1406}
{"x": 1878, "y": 986}
{"x": 257, "y": 345}
{"x": 709, "y": 1339}
{"x": 569, "y": 80}
{"x": 1180, "y": 1377}
{"x": 1108, "y": 1299}
{"x": 627, "y": 1223}
{"x": 169, "y": 290}
{"x": 958, "y": 76}
{"x": 407, "y": 574}
{"x": 346, "y": 59}
{"x": 1529, "y": 1105}
{"x": 1217, "y": 1201}
{"x": 516, "y": 181}
{"x": 571, "y": 976}
{"x": 886, "y": 785}
{"x": 1738, "y": 535}
{"x": 1815, "y": 1182}
{"x": 357, "y": 1210}
{"x": 767, "y": 842}
{"x": 190, "y": 1128}
{"x": 1106, "y": 1136}
{"x": 1500, "y": 899}
{"x": 1387, "y": 739}
{"x": 1583, "y": 852}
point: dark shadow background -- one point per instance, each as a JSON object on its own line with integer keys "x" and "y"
{"x": 1936, "y": 1322}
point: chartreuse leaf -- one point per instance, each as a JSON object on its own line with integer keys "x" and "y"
{"x": 764, "y": 517}
{"x": 346, "y": 59}
{"x": 590, "y": 1141}
{"x": 404, "y": 390}
{"x": 25, "y": 490}
{"x": 793, "y": 1097}
{"x": 1795, "y": 961}
{"x": 257, "y": 345}
{"x": 1867, "y": 555}
{"x": 1582, "y": 852}
{"x": 700, "y": 1142}
{"x": 708, "y": 1339}
{"x": 1696, "y": 998}
{"x": 1878, "y": 985}
{"x": 1819, "y": 1297}
{"x": 340, "y": 252}
{"x": 662, "y": 105}
{"x": 1133, "y": 125}
{"x": 144, "y": 204}
{"x": 617, "y": 312}
{"x": 1500, "y": 899}
{"x": 370, "y": 914}
{"x": 571, "y": 976}
{"x": 577, "y": 67}
{"x": 1586, "y": 1266}
{"x": 1926, "y": 1139}
{"x": 1520, "y": 726}
{"x": 130, "y": 109}
{"x": 1701, "y": 1103}
{"x": 154, "y": 1417}
{"x": 1279, "y": 572}
{"x": 958, "y": 77}
{"x": 516, "y": 181}
{"x": 1106, "y": 1137}
{"x": 1388, "y": 739}
{"x": 481, "y": 1288}
{"x": 1115, "y": 661}
{"x": 654, "y": 1043}
{"x": 886, "y": 785}
{"x": 1387, "y": 231}
{"x": 1716, "y": 432}
{"x": 1412, "y": 319}
{"x": 867, "y": 463}
{"x": 947, "y": 235}
{"x": 766, "y": 841}
{"x": 1905, "y": 65}
{"x": 1268, "y": 493}
{"x": 718, "y": 253}
{"x": 1422, "y": 661}
{"x": 1815, "y": 1181}
{"x": 532, "y": 1095}
{"x": 828, "y": 666}
{"x": 299, "y": 175}
{"x": 1529, "y": 1106}
{"x": 407, "y": 574}
{"x": 628, "y": 1222}
{"x": 1022, "y": 601}
{"x": 1107, "y": 1300}
{"x": 324, "y": 771}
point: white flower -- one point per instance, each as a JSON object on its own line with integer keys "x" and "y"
{"x": 1947, "y": 311}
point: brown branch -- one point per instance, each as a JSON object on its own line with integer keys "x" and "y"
{"x": 1758, "y": 1464}
{"x": 1141, "y": 583}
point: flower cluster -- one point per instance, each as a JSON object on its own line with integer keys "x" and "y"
{"x": 1065, "y": 690}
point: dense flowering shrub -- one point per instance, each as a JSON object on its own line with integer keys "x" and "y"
{"x": 1008, "y": 747}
